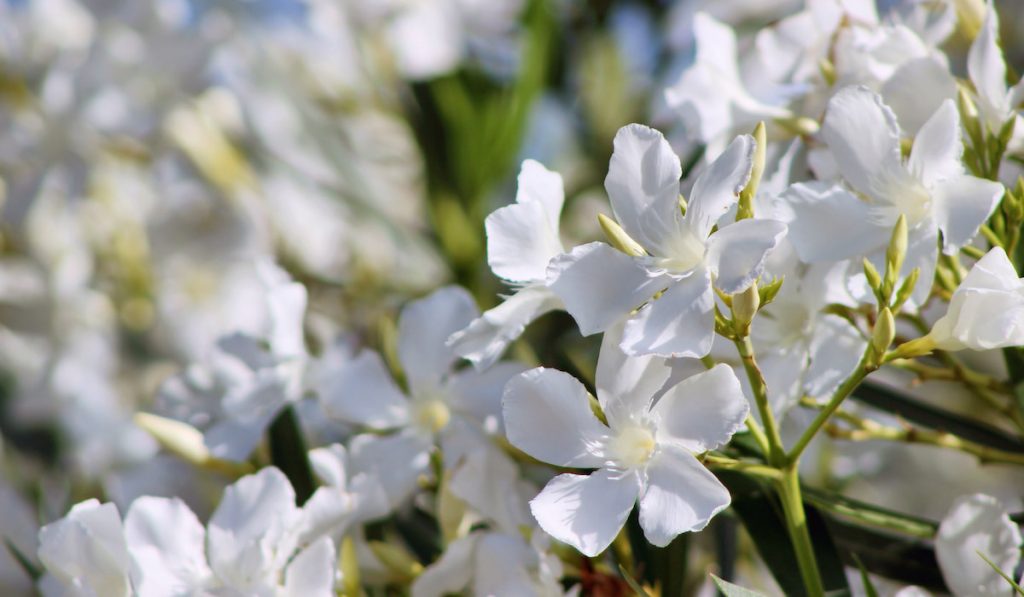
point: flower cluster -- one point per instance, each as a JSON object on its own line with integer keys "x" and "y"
{"x": 251, "y": 346}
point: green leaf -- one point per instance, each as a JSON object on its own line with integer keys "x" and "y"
{"x": 288, "y": 453}
{"x": 906, "y": 560}
{"x": 870, "y": 514}
{"x": 730, "y": 590}
{"x": 1013, "y": 583}
{"x": 915, "y": 411}
{"x": 632, "y": 583}
{"x": 869, "y": 587}
{"x": 31, "y": 569}
{"x": 758, "y": 509}
{"x": 664, "y": 567}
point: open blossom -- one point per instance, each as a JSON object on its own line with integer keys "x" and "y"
{"x": 252, "y": 545}
{"x": 977, "y": 524}
{"x": 522, "y": 238}
{"x": 646, "y": 451}
{"x": 247, "y": 379}
{"x": 455, "y": 409}
{"x": 986, "y": 66}
{"x": 987, "y": 309}
{"x": 930, "y": 188}
{"x": 601, "y": 285}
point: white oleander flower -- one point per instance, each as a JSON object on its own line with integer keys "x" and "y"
{"x": 930, "y": 188}
{"x": 977, "y": 524}
{"x": 453, "y": 409}
{"x": 646, "y": 452}
{"x": 522, "y": 238}
{"x": 685, "y": 255}
{"x": 987, "y": 309}
{"x": 255, "y": 544}
{"x": 986, "y": 66}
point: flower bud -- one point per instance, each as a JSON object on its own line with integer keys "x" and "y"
{"x": 396, "y": 559}
{"x": 884, "y": 332}
{"x": 744, "y": 307}
{"x": 186, "y": 442}
{"x": 618, "y": 238}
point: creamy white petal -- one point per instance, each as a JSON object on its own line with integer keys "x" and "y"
{"x": 87, "y": 549}
{"x": 503, "y": 566}
{"x": 586, "y": 511}
{"x": 548, "y": 416}
{"x": 987, "y": 69}
{"x": 537, "y": 184}
{"x": 397, "y": 461}
{"x": 935, "y": 156}
{"x": 680, "y": 323}
{"x": 835, "y": 351}
{"x": 680, "y": 496}
{"x": 626, "y": 384}
{"x": 643, "y": 185}
{"x": 702, "y": 412}
{"x": 961, "y": 205}
{"x": 168, "y": 547}
{"x": 717, "y": 188}
{"x": 360, "y": 390}
{"x": 737, "y": 252}
{"x": 311, "y": 572}
{"x": 864, "y": 137}
{"x": 977, "y": 523}
{"x": 484, "y": 340}
{"x": 521, "y": 242}
{"x": 916, "y": 90}
{"x": 451, "y": 573}
{"x": 423, "y": 331}
{"x": 477, "y": 394}
{"x": 600, "y": 285}
{"x": 828, "y": 223}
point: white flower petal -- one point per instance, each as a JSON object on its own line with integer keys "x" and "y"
{"x": 520, "y": 242}
{"x": 168, "y": 547}
{"x": 537, "y": 184}
{"x": 828, "y": 223}
{"x": 503, "y": 566}
{"x": 961, "y": 205}
{"x": 864, "y": 137}
{"x": 395, "y": 460}
{"x": 600, "y": 285}
{"x": 360, "y": 390}
{"x": 311, "y": 572}
{"x": 256, "y": 512}
{"x": 717, "y": 188}
{"x": 483, "y": 341}
{"x": 87, "y": 548}
{"x": 643, "y": 185}
{"x": 935, "y": 156}
{"x": 987, "y": 69}
{"x": 681, "y": 496}
{"x": 977, "y": 523}
{"x": 423, "y": 331}
{"x": 737, "y": 252}
{"x": 329, "y": 464}
{"x": 835, "y": 351}
{"x": 548, "y": 416}
{"x": 586, "y": 511}
{"x": 680, "y": 323}
{"x": 916, "y": 90}
{"x": 625, "y": 384}
{"x": 702, "y": 412}
{"x": 451, "y": 573}
{"x": 478, "y": 393}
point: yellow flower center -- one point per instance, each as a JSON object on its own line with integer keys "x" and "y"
{"x": 431, "y": 414}
{"x": 632, "y": 446}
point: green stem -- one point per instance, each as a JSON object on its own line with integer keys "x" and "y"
{"x": 788, "y": 488}
{"x": 776, "y": 452}
{"x": 851, "y": 383}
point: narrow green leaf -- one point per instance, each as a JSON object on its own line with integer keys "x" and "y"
{"x": 730, "y": 590}
{"x": 906, "y": 560}
{"x": 1013, "y": 583}
{"x": 632, "y": 583}
{"x": 288, "y": 453}
{"x": 33, "y": 571}
{"x": 870, "y": 514}
{"x": 869, "y": 587}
